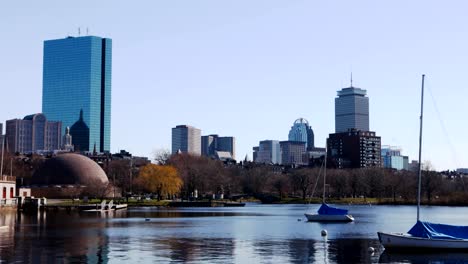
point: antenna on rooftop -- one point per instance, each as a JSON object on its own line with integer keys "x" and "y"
{"x": 87, "y": 31}
{"x": 351, "y": 79}
{"x": 79, "y": 33}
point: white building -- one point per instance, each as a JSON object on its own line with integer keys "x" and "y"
{"x": 7, "y": 190}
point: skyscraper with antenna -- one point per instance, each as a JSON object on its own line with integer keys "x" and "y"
{"x": 77, "y": 89}
{"x": 351, "y": 109}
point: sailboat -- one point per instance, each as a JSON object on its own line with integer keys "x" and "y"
{"x": 327, "y": 213}
{"x": 426, "y": 235}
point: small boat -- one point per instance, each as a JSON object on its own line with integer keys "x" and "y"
{"x": 327, "y": 213}
{"x": 426, "y": 235}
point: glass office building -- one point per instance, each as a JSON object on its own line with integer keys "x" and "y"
{"x": 301, "y": 131}
{"x": 77, "y": 89}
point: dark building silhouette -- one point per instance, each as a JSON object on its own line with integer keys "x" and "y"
{"x": 354, "y": 149}
{"x": 80, "y": 134}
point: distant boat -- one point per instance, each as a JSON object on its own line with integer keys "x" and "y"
{"x": 426, "y": 235}
{"x": 327, "y": 213}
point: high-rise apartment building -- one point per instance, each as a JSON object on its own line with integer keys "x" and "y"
{"x": 186, "y": 139}
{"x": 212, "y": 143}
{"x": 268, "y": 151}
{"x": 77, "y": 89}
{"x": 302, "y": 131}
{"x": 33, "y": 134}
{"x": 354, "y": 149}
{"x": 351, "y": 110}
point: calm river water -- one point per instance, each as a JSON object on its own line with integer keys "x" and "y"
{"x": 252, "y": 234}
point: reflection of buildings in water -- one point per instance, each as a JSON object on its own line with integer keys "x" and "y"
{"x": 271, "y": 250}
{"x": 423, "y": 257}
{"x": 190, "y": 249}
{"x": 48, "y": 237}
{"x": 7, "y": 233}
{"x": 301, "y": 251}
{"x": 351, "y": 250}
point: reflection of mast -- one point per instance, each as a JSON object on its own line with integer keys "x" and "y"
{"x": 131, "y": 175}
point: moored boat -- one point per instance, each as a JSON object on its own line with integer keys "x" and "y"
{"x": 426, "y": 235}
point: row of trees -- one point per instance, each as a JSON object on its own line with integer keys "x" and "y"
{"x": 209, "y": 177}
{"x": 180, "y": 175}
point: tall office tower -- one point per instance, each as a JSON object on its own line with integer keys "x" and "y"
{"x": 186, "y": 139}
{"x": 208, "y": 145}
{"x": 77, "y": 89}
{"x": 292, "y": 152}
{"x": 227, "y": 144}
{"x": 33, "y": 134}
{"x": 212, "y": 143}
{"x": 351, "y": 110}
{"x": 268, "y": 151}
{"x": 302, "y": 131}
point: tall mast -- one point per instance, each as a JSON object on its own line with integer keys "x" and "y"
{"x": 3, "y": 148}
{"x": 324, "y": 174}
{"x": 420, "y": 144}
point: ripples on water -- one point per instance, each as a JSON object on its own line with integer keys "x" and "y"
{"x": 253, "y": 234}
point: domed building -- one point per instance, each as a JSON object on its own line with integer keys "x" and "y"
{"x": 70, "y": 169}
{"x": 69, "y": 175}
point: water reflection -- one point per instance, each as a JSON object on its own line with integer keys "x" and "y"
{"x": 257, "y": 234}
{"x": 423, "y": 257}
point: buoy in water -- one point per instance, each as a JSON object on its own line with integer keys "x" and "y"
{"x": 299, "y": 219}
{"x": 147, "y": 219}
{"x": 324, "y": 232}
{"x": 371, "y": 250}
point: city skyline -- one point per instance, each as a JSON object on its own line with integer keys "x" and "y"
{"x": 169, "y": 59}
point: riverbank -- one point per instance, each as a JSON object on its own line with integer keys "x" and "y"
{"x": 217, "y": 203}
{"x": 372, "y": 201}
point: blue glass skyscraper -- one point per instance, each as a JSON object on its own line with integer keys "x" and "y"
{"x": 302, "y": 131}
{"x": 77, "y": 89}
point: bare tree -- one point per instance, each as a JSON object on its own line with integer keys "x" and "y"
{"x": 98, "y": 189}
{"x": 161, "y": 156}
{"x": 281, "y": 184}
{"x": 303, "y": 179}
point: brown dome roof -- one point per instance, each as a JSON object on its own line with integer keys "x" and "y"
{"x": 69, "y": 168}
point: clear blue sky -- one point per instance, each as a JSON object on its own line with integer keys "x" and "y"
{"x": 248, "y": 68}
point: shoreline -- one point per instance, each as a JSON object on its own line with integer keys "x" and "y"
{"x": 266, "y": 200}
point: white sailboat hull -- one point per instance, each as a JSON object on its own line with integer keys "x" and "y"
{"x": 405, "y": 241}
{"x": 328, "y": 218}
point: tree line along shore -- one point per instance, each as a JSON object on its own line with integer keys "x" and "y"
{"x": 187, "y": 177}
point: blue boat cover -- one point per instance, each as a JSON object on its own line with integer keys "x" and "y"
{"x": 328, "y": 210}
{"x": 438, "y": 231}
